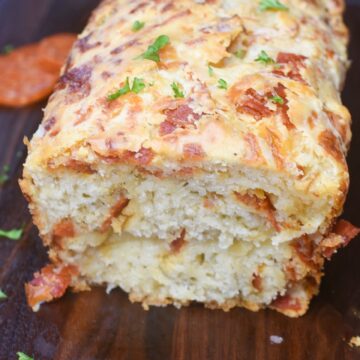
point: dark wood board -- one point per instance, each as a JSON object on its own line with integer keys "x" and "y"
{"x": 93, "y": 325}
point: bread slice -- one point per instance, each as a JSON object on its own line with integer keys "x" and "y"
{"x": 195, "y": 151}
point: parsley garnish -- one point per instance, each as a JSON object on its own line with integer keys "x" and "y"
{"x": 122, "y": 91}
{"x": 240, "y": 54}
{"x": 3, "y": 296}
{"x": 177, "y": 92}
{"x": 7, "y": 49}
{"x": 137, "y": 25}
{"x": 222, "y": 84}
{"x": 271, "y": 5}
{"x": 4, "y": 174}
{"x": 277, "y": 99}
{"x": 264, "y": 58}
{"x": 14, "y": 234}
{"x": 22, "y": 356}
{"x": 152, "y": 52}
{"x": 137, "y": 86}
{"x": 210, "y": 70}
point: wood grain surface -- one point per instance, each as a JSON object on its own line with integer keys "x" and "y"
{"x": 93, "y": 325}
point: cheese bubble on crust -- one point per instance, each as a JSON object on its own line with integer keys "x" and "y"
{"x": 224, "y": 192}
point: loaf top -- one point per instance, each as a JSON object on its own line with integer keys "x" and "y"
{"x": 236, "y": 82}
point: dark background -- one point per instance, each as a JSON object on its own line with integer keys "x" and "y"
{"x": 93, "y": 325}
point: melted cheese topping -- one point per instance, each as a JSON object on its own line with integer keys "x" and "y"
{"x": 304, "y": 134}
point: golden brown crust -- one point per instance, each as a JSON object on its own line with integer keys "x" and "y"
{"x": 193, "y": 129}
{"x": 152, "y": 128}
{"x": 282, "y": 115}
{"x": 292, "y": 307}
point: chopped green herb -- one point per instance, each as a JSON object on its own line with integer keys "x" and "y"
{"x": 222, "y": 84}
{"x": 4, "y": 174}
{"x": 23, "y": 356}
{"x": 7, "y": 49}
{"x": 210, "y": 70}
{"x": 2, "y": 295}
{"x": 177, "y": 92}
{"x": 277, "y": 99}
{"x": 137, "y": 25}
{"x": 138, "y": 85}
{"x": 264, "y": 58}
{"x": 152, "y": 52}
{"x": 122, "y": 91}
{"x": 271, "y": 5}
{"x": 14, "y": 234}
{"x": 240, "y": 54}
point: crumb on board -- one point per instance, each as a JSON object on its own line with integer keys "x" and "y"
{"x": 274, "y": 339}
{"x": 355, "y": 341}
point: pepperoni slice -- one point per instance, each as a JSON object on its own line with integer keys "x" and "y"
{"x": 64, "y": 228}
{"x": 178, "y": 243}
{"x": 262, "y": 205}
{"x": 22, "y": 80}
{"x": 48, "y": 284}
{"x": 347, "y": 230}
{"x": 181, "y": 117}
{"x": 54, "y": 50}
{"x": 257, "y": 282}
{"x": 29, "y": 73}
{"x": 287, "y": 303}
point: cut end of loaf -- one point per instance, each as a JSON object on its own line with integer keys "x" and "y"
{"x": 224, "y": 238}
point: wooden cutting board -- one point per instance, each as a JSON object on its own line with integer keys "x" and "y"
{"x": 93, "y": 325}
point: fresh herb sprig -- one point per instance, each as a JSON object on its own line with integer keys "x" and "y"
{"x": 4, "y": 174}
{"x": 152, "y": 52}
{"x": 178, "y": 94}
{"x": 222, "y": 84}
{"x": 137, "y": 25}
{"x": 264, "y": 58}
{"x": 14, "y": 234}
{"x": 23, "y": 356}
{"x": 265, "y": 5}
{"x": 3, "y": 296}
{"x": 277, "y": 99}
{"x": 122, "y": 91}
{"x": 137, "y": 86}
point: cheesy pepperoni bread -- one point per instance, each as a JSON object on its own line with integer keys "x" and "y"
{"x": 195, "y": 151}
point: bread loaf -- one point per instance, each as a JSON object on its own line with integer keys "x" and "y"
{"x": 195, "y": 151}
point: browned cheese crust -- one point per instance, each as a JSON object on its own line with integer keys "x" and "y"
{"x": 259, "y": 89}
